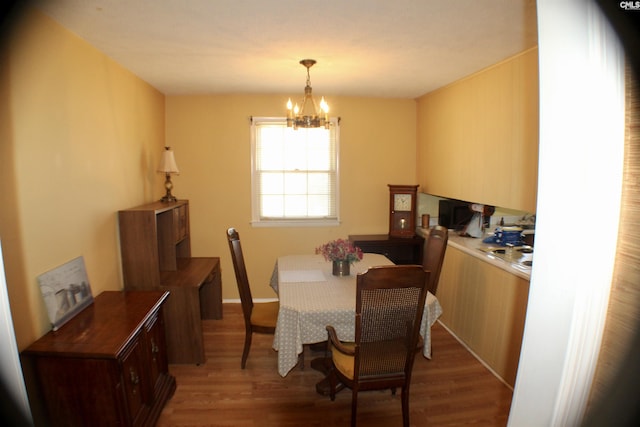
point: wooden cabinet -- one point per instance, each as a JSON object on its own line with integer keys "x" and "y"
{"x": 485, "y": 307}
{"x": 400, "y": 250}
{"x": 478, "y": 137}
{"x": 107, "y": 366}
{"x": 155, "y": 245}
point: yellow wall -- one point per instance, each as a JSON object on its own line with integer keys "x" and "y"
{"x": 81, "y": 138}
{"x": 211, "y": 139}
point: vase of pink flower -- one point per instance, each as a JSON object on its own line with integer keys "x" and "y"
{"x": 342, "y": 253}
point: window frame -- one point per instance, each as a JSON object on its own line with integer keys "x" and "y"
{"x": 256, "y": 219}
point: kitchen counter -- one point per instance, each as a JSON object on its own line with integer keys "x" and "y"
{"x": 476, "y": 248}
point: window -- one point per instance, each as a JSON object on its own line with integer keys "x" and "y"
{"x": 294, "y": 174}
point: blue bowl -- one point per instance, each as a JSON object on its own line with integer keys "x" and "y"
{"x": 509, "y": 235}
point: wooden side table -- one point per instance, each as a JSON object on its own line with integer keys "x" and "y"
{"x": 196, "y": 294}
{"x": 400, "y": 250}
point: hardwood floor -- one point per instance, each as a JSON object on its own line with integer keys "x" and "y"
{"x": 451, "y": 389}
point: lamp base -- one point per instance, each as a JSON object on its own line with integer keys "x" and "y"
{"x": 168, "y": 197}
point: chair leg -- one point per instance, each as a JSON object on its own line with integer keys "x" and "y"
{"x": 247, "y": 346}
{"x": 333, "y": 383}
{"x": 405, "y": 407}
{"x": 354, "y": 406}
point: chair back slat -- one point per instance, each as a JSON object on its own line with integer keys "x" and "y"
{"x": 241, "y": 272}
{"x": 434, "y": 250}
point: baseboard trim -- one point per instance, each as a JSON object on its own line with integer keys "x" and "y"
{"x": 495, "y": 374}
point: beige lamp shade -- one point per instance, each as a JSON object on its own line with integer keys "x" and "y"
{"x": 168, "y": 162}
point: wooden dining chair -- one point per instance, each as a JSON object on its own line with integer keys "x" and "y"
{"x": 435, "y": 246}
{"x": 258, "y": 317}
{"x": 389, "y": 306}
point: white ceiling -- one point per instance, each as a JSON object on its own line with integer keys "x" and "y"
{"x": 381, "y": 48}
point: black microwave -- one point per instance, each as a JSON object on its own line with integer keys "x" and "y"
{"x": 454, "y": 214}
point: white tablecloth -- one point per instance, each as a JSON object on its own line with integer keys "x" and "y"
{"x": 312, "y": 298}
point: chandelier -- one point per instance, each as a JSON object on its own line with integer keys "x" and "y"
{"x": 302, "y": 116}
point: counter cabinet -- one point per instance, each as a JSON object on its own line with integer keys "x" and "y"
{"x": 485, "y": 307}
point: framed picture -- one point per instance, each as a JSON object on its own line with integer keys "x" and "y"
{"x": 66, "y": 291}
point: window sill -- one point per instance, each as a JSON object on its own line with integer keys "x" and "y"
{"x": 296, "y": 223}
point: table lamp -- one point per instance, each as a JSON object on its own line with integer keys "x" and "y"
{"x": 168, "y": 166}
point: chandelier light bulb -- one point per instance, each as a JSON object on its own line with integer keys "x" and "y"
{"x": 289, "y": 111}
{"x": 324, "y": 106}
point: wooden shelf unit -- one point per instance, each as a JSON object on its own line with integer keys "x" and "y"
{"x": 155, "y": 245}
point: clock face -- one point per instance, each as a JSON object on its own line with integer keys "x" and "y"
{"x": 402, "y": 202}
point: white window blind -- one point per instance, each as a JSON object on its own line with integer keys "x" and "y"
{"x": 294, "y": 174}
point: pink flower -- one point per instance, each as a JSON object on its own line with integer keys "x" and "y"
{"x": 340, "y": 250}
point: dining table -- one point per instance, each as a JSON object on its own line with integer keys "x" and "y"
{"x": 311, "y": 298}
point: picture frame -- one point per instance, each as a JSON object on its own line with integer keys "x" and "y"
{"x": 66, "y": 291}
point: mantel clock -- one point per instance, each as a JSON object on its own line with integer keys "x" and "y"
{"x": 402, "y": 210}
